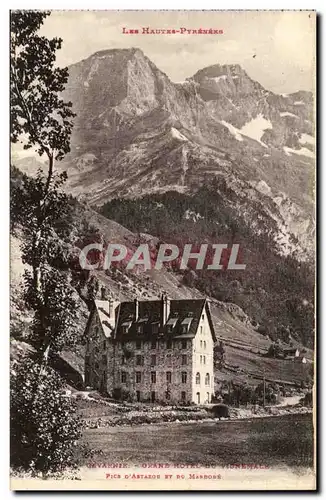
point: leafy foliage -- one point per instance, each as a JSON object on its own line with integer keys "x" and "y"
{"x": 37, "y": 110}
{"x": 44, "y": 426}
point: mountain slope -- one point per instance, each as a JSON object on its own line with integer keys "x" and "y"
{"x": 137, "y": 132}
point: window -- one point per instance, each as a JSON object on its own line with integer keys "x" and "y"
{"x": 153, "y": 396}
{"x": 123, "y": 377}
{"x": 167, "y": 395}
{"x": 184, "y": 359}
{"x": 201, "y": 344}
{"x": 139, "y": 329}
{"x": 138, "y": 344}
{"x": 201, "y": 359}
{"x": 123, "y": 359}
{"x": 139, "y": 360}
{"x": 153, "y": 360}
{"x": 155, "y": 328}
{"x": 201, "y": 329}
{"x": 204, "y": 360}
{"x": 168, "y": 360}
{"x": 104, "y": 345}
{"x": 184, "y": 329}
{"x": 198, "y": 378}
{"x": 207, "y": 379}
{"x": 169, "y": 344}
{"x": 138, "y": 395}
{"x": 198, "y": 397}
{"x": 153, "y": 344}
{"x": 207, "y": 397}
{"x": 184, "y": 377}
{"x": 184, "y": 344}
{"x": 183, "y": 396}
{"x": 153, "y": 377}
{"x": 168, "y": 377}
{"x": 170, "y": 328}
{"x": 138, "y": 377}
{"x": 202, "y": 316}
{"x": 125, "y": 327}
{"x": 204, "y": 344}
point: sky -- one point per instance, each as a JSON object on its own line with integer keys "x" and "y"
{"x": 276, "y": 48}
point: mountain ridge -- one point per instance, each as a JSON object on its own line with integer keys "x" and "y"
{"x": 136, "y": 131}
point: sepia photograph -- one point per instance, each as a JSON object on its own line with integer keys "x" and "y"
{"x": 162, "y": 250}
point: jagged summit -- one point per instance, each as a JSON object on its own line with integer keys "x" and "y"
{"x": 130, "y": 51}
{"x": 217, "y": 70}
{"x": 137, "y": 132}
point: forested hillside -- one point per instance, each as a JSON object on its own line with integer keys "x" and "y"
{"x": 276, "y": 291}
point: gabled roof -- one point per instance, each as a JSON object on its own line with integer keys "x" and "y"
{"x": 102, "y": 309}
{"x": 151, "y": 311}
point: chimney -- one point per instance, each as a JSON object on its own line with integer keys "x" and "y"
{"x": 104, "y": 295}
{"x": 165, "y": 308}
{"x": 111, "y": 304}
{"x": 136, "y": 309}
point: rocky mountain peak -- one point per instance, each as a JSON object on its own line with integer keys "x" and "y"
{"x": 224, "y": 79}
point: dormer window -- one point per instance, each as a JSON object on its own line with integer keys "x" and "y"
{"x": 185, "y": 325}
{"x": 139, "y": 329}
{"x": 125, "y": 327}
{"x": 171, "y": 324}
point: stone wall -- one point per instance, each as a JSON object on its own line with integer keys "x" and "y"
{"x": 166, "y": 360}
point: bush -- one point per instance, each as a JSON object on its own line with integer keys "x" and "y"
{"x": 120, "y": 394}
{"x": 220, "y": 411}
{"x": 44, "y": 428}
{"x": 307, "y": 399}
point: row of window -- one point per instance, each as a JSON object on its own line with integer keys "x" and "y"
{"x": 154, "y": 328}
{"x": 162, "y": 344}
{"x": 168, "y": 375}
{"x": 207, "y": 379}
{"x": 203, "y": 344}
{"x": 140, "y": 359}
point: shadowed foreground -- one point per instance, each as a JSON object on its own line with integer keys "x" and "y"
{"x": 278, "y": 441}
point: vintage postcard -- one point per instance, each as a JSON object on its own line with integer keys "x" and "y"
{"x": 163, "y": 250}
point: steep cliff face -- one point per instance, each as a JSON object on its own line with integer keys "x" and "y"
{"x": 136, "y": 132}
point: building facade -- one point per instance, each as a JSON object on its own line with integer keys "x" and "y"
{"x": 152, "y": 350}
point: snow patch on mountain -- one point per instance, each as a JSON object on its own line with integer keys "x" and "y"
{"x": 184, "y": 165}
{"x": 177, "y": 135}
{"x": 263, "y": 187}
{"x": 256, "y": 127}
{"x": 307, "y": 139}
{"x": 301, "y": 151}
{"x": 191, "y": 215}
{"x": 286, "y": 113}
{"x": 218, "y": 78}
{"x": 233, "y": 130}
